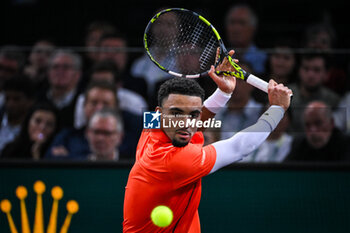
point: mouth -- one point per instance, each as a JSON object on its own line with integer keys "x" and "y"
{"x": 183, "y": 134}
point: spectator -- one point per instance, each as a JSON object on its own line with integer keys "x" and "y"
{"x": 128, "y": 100}
{"x": 19, "y": 98}
{"x": 322, "y": 36}
{"x": 104, "y": 133}
{"x": 144, "y": 68}
{"x": 313, "y": 71}
{"x": 342, "y": 114}
{"x": 241, "y": 25}
{"x": 281, "y": 66}
{"x": 113, "y": 48}
{"x": 39, "y": 62}
{"x": 242, "y": 110}
{"x": 71, "y": 143}
{"x": 94, "y": 32}
{"x": 276, "y": 147}
{"x": 64, "y": 74}
{"x": 11, "y": 64}
{"x": 37, "y": 132}
{"x": 322, "y": 141}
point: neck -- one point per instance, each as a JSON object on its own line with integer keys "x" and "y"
{"x": 308, "y": 92}
{"x": 110, "y": 156}
{"x": 58, "y": 93}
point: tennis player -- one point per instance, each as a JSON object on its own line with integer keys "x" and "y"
{"x": 170, "y": 162}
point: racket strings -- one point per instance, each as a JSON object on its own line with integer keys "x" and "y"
{"x": 186, "y": 46}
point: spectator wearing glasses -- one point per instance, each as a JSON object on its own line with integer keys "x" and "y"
{"x": 63, "y": 76}
{"x": 104, "y": 134}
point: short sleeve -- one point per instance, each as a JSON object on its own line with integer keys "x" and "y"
{"x": 190, "y": 163}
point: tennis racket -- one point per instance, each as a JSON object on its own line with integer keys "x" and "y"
{"x": 184, "y": 44}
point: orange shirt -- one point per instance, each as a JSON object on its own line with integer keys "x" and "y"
{"x": 166, "y": 175}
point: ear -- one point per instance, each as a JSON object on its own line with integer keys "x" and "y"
{"x": 158, "y": 109}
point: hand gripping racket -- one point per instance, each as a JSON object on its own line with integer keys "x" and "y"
{"x": 184, "y": 44}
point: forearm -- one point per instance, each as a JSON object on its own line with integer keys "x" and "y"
{"x": 247, "y": 140}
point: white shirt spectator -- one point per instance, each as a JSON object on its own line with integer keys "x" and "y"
{"x": 7, "y": 132}
{"x": 143, "y": 67}
{"x": 271, "y": 150}
{"x": 342, "y": 114}
{"x": 235, "y": 121}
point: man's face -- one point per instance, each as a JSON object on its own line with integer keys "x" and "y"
{"x": 103, "y": 136}
{"x": 282, "y": 62}
{"x": 312, "y": 73}
{"x": 16, "y": 103}
{"x": 97, "y": 99}
{"x": 118, "y": 57}
{"x": 62, "y": 73}
{"x": 178, "y": 108}
{"x": 239, "y": 28}
{"x": 318, "y": 127}
{"x": 40, "y": 55}
{"x": 8, "y": 68}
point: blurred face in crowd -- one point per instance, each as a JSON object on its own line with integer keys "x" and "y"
{"x": 118, "y": 57}
{"x": 8, "y": 68}
{"x": 165, "y": 26}
{"x": 41, "y": 126}
{"x": 91, "y": 41}
{"x": 240, "y": 27}
{"x": 282, "y": 62}
{"x": 189, "y": 61}
{"x": 63, "y": 74}
{"x": 97, "y": 99}
{"x": 321, "y": 40}
{"x": 318, "y": 124}
{"x": 17, "y": 104}
{"x": 39, "y": 56}
{"x": 103, "y": 136}
{"x": 312, "y": 73}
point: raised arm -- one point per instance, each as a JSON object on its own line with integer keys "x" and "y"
{"x": 226, "y": 85}
{"x": 247, "y": 140}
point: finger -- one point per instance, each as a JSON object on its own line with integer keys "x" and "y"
{"x": 217, "y": 54}
{"x": 231, "y": 53}
{"x": 272, "y": 82}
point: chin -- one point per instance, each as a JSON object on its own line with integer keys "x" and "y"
{"x": 178, "y": 143}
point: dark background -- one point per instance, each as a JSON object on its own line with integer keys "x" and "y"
{"x": 24, "y": 21}
{"x": 264, "y": 198}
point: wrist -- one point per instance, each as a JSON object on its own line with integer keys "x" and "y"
{"x": 273, "y": 115}
{"x": 217, "y": 100}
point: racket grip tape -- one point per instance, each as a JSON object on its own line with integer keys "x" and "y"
{"x": 257, "y": 82}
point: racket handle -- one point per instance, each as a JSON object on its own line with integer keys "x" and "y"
{"x": 257, "y": 82}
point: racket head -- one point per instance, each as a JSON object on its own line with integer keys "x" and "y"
{"x": 182, "y": 43}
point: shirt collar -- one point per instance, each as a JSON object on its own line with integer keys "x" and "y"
{"x": 64, "y": 100}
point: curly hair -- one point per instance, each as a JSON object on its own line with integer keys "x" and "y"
{"x": 181, "y": 86}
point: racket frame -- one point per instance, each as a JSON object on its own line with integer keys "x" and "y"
{"x": 238, "y": 73}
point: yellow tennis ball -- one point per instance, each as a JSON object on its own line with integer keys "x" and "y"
{"x": 162, "y": 216}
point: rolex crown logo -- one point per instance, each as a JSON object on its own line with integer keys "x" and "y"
{"x": 38, "y": 226}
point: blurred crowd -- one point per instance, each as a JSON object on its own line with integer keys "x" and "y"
{"x": 66, "y": 104}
